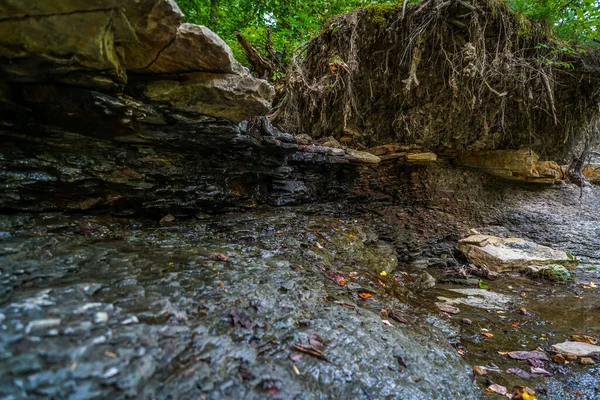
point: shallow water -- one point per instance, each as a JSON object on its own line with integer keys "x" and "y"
{"x": 94, "y": 306}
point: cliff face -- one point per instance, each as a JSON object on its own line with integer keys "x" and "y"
{"x": 120, "y": 106}
{"x": 465, "y": 76}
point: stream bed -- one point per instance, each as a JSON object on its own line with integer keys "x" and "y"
{"x": 282, "y": 303}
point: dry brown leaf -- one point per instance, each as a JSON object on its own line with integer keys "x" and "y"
{"x": 487, "y": 335}
{"x": 523, "y": 393}
{"x": 365, "y": 295}
{"x": 584, "y": 339}
{"x": 449, "y": 308}
{"x": 477, "y": 370}
{"x": 397, "y": 317}
{"x": 316, "y": 342}
{"x": 519, "y": 372}
{"x": 515, "y": 324}
{"x": 539, "y": 371}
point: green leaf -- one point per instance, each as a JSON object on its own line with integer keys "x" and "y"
{"x": 482, "y": 285}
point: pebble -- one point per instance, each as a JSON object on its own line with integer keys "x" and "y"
{"x": 466, "y": 321}
{"x": 131, "y": 320}
{"x": 101, "y": 317}
{"x": 40, "y": 324}
{"x": 110, "y": 373}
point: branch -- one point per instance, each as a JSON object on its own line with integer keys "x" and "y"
{"x": 263, "y": 67}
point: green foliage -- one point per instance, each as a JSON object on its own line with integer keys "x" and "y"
{"x": 292, "y": 22}
{"x": 482, "y": 285}
{"x": 577, "y": 20}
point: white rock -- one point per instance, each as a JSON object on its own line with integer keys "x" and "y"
{"x": 41, "y": 324}
{"x": 500, "y": 254}
{"x": 577, "y": 348}
{"x": 100, "y": 317}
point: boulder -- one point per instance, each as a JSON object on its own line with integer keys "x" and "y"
{"x": 36, "y": 49}
{"x": 156, "y": 23}
{"x": 500, "y": 254}
{"x": 578, "y": 349}
{"x": 229, "y": 96}
{"x": 196, "y": 49}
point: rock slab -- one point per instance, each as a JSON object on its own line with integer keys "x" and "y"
{"x": 502, "y": 254}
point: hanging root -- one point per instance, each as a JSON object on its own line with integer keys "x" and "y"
{"x": 484, "y": 80}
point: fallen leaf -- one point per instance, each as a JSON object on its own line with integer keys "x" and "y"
{"x": 319, "y": 245}
{"x": 110, "y": 354}
{"x": 524, "y": 311}
{"x": 534, "y": 362}
{"x": 316, "y": 342}
{"x": 519, "y": 372}
{"x": 540, "y": 371}
{"x": 353, "y": 275}
{"x": 219, "y": 257}
{"x": 466, "y": 321}
{"x": 584, "y": 339}
{"x": 523, "y": 393}
{"x": 340, "y": 280}
{"x": 383, "y": 311}
{"x": 351, "y": 236}
{"x": 497, "y": 389}
{"x": 515, "y": 324}
{"x": 523, "y": 294}
{"x": 238, "y": 319}
{"x": 449, "y": 308}
{"x": 503, "y": 353}
{"x": 592, "y": 285}
{"x": 365, "y": 295}
{"x": 487, "y": 335}
{"x": 296, "y": 370}
{"x": 462, "y": 352}
{"x": 381, "y": 283}
{"x": 309, "y": 351}
{"x": 477, "y": 370}
{"x": 295, "y": 356}
{"x": 529, "y": 355}
{"x": 386, "y": 322}
{"x": 383, "y": 273}
{"x": 397, "y": 317}
{"x": 350, "y": 306}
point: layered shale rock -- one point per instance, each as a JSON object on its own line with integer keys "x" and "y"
{"x": 106, "y": 45}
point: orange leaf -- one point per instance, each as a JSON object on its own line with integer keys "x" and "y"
{"x": 365, "y": 295}
{"x": 381, "y": 283}
{"x": 487, "y": 335}
{"x": 515, "y": 324}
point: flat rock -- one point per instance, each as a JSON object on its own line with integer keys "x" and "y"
{"x": 576, "y": 348}
{"x": 227, "y": 96}
{"x": 362, "y": 157}
{"x": 480, "y": 298}
{"x": 500, "y": 254}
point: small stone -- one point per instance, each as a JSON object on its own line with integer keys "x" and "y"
{"x": 559, "y": 359}
{"x": 131, "y": 320}
{"x": 41, "y": 324}
{"x": 586, "y": 361}
{"x": 110, "y": 373}
{"x": 100, "y": 317}
{"x": 466, "y": 321}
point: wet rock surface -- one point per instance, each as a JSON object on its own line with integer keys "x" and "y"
{"x": 98, "y": 307}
